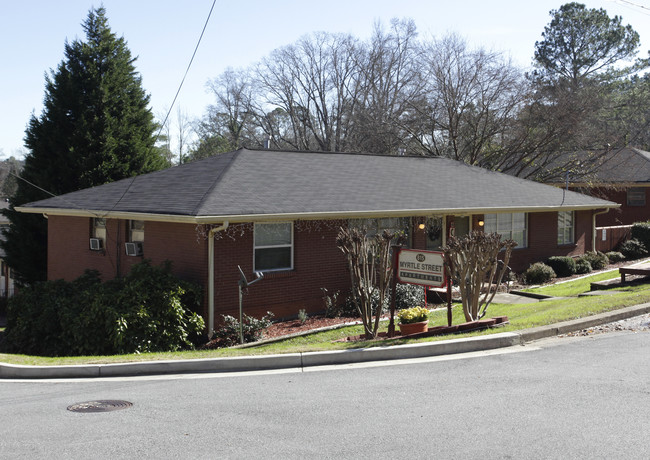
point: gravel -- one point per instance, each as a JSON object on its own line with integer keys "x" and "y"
{"x": 635, "y": 324}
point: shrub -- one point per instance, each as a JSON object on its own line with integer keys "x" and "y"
{"x": 633, "y": 249}
{"x": 538, "y": 273}
{"x": 333, "y": 308}
{"x": 147, "y": 310}
{"x": 412, "y": 315}
{"x": 583, "y": 266}
{"x": 302, "y": 315}
{"x": 562, "y": 265}
{"x": 408, "y": 295}
{"x": 597, "y": 260}
{"x": 615, "y": 257}
{"x": 641, "y": 232}
{"x": 228, "y": 333}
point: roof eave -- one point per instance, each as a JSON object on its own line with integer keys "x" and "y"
{"x": 328, "y": 215}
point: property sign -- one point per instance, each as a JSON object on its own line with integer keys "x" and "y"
{"x": 425, "y": 268}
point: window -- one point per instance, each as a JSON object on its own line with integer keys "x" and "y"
{"x": 565, "y": 225}
{"x": 136, "y": 231}
{"x": 434, "y": 227}
{"x": 273, "y": 246}
{"x": 509, "y": 226}
{"x": 99, "y": 228}
{"x": 636, "y": 196}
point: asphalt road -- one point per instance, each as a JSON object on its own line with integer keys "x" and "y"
{"x": 570, "y": 397}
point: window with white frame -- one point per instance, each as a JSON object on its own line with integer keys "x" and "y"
{"x": 565, "y": 227}
{"x": 273, "y": 246}
{"x": 99, "y": 228}
{"x": 636, "y": 196}
{"x": 509, "y": 226}
{"x": 136, "y": 231}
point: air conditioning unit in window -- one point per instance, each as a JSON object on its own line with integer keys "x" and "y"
{"x": 96, "y": 244}
{"x": 133, "y": 249}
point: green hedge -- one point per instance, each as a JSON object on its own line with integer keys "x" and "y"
{"x": 148, "y": 310}
{"x": 562, "y": 265}
{"x": 538, "y": 273}
{"x": 641, "y": 232}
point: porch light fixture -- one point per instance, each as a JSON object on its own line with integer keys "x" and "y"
{"x": 481, "y": 223}
{"x": 421, "y": 226}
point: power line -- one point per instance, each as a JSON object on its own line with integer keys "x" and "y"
{"x": 187, "y": 70}
{"x": 633, "y": 5}
{"x": 189, "y": 65}
{"x": 207, "y": 20}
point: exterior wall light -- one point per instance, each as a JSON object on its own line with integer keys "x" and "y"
{"x": 481, "y": 223}
{"x": 421, "y": 226}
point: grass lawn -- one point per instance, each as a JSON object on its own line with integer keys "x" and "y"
{"x": 522, "y": 316}
{"x": 573, "y": 288}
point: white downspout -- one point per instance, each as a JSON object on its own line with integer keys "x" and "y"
{"x": 593, "y": 228}
{"x": 211, "y": 234}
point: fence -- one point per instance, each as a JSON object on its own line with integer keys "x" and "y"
{"x": 608, "y": 238}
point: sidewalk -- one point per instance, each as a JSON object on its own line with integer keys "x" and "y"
{"x": 302, "y": 360}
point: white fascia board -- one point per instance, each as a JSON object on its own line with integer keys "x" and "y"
{"x": 303, "y": 216}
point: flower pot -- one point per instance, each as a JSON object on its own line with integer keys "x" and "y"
{"x": 414, "y": 328}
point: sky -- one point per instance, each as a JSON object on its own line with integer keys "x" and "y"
{"x": 163, "y": 35}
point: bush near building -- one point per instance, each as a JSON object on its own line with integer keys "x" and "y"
{"x": 538, "y": 273}
{"x": 146, "y": 311}
{"x": 562, "y": 265}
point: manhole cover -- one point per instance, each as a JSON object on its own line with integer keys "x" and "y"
{"x": 102, "y": 405}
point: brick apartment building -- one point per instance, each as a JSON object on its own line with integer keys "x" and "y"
{"x": 279, "y": 212}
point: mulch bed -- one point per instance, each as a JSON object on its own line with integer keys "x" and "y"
{"x": 438, "y": 330}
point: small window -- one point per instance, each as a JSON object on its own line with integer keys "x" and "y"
{"x": 99, "y": 228}
{"x": 565, "y": 226}
{"x": 509, "y": 226}
{"x": 273, "y": 246}
{"x": 636, "y": 196}
{"x": 136, "y": 231}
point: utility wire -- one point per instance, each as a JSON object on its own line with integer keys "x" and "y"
{"x": 189, "y": 65}
{"x": 196, "y": 48}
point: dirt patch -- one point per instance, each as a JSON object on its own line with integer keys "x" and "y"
{"x": 283, "y": 328}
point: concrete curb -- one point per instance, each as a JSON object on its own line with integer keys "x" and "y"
{"x": 310, "y": 359}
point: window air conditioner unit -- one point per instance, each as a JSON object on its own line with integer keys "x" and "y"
{"x": 96, "y": 244}
{"x": 133, "y": 249}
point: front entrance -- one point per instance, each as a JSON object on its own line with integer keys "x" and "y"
{"x": 459, "y": 226}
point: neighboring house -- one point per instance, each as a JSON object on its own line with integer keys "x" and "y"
{"x": 6, "y": 273}
{"x": 622, "y": 176}
{"x": 279, "y": 212}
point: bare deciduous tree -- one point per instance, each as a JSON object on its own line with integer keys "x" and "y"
{"x": 472, "y": 261}
{"x": 312, "y": 82}
{"x": 371, "y": 269}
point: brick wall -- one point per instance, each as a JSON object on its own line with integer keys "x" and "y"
{"x": 542, "y": 239}
{"x": 318, "y": 263}
{"x": 625, "y": 215}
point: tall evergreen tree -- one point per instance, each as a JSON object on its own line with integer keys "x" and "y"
{"x": 96, "y": 127}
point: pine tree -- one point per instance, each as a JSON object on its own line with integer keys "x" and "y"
{"x": 96, "y": 127}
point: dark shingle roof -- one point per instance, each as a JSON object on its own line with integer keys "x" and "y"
{"x": 627, "y": 165}
{"x": 264, "y": 182}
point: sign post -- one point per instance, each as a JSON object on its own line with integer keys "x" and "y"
{"x": 393, "y": 292}
{"x": 425, "y": 268}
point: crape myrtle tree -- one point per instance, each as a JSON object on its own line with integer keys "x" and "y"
{"x": 371, "y": 269}
{"x": 95, "y": 127}
{"x": 472, "y": 262}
